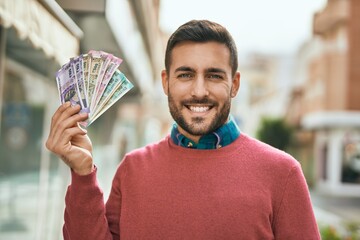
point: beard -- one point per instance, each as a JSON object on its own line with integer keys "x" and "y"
{"x": 197, "y": 126}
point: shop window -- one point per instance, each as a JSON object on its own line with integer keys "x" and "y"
{"x": 323, "y": 161}
{"x": 21, "y": 129}
{"x": 25, "y": 95}
{"x": 351, "y": 158}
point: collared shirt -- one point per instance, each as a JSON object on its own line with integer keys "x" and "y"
{"x": 223, "y": 136}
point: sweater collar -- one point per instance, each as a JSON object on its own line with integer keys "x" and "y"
{"x": 221, "y": 137}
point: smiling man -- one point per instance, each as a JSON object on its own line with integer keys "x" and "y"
{"x": 199, "y": 84}
{"x": 206, "y": 180}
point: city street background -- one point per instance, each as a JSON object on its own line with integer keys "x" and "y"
{"x": 299, "y": 64}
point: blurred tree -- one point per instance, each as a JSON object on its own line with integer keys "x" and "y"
{"x": 330, "y": 233}
{"x": 275, "y": 132}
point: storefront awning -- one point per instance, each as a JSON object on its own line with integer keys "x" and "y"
{"x": 331, "y": 119}
{"x": 33, "y": 22}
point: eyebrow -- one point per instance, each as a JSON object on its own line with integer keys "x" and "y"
{"x": 215, "y": 70}
{"x": 189, "y": 69}
{"x": 184, "y": 69}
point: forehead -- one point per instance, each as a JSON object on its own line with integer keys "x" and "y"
{"x": 200, "y": 56}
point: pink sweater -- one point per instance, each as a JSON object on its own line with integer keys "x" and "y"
{"x": 246, "y": 190}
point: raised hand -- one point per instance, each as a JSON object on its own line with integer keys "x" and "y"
{"x": 69, "y": 141}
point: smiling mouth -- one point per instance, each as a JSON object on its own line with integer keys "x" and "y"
{"x": 198, "y": 109}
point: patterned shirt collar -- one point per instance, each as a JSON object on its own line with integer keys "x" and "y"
{"x": 223, "y": 136}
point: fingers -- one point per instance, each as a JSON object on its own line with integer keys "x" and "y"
{"x": 58, "y": 112}
{"x": 65, "y": 120}
{"x": 64, "y": 112}
{"x": 61, "y": 143}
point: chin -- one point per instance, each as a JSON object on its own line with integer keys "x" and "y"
{"x": 199, "y": 126}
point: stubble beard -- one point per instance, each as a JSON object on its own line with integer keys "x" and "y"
{"x": 196, "y": 126}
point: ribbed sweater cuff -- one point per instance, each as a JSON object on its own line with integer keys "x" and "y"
{"x": 81, "y": 180}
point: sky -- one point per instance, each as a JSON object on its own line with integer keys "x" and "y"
{"x": 261, "y": 26}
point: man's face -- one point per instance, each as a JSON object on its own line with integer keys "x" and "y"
{"x": 200, "y": 87}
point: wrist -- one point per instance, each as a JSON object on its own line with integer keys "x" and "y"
{"x": 84, "y": 171}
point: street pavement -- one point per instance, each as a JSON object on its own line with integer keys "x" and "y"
{"x": 336, "y": 212}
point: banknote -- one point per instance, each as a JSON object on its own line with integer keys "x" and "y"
{"x": 94, "y": 71}
{"x": 106, "y": 59}
{"x": 77, "y": 64}
{"x": 112, "y": 86}
{"x": 66, "y": 83}
{"x": 102, "y": 85}
{"x": 86, "y": 67}
{"x": 94, "y": 81}
{"x": 124, "y": 87}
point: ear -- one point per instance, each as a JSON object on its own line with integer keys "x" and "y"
{"x": 235, "y": 85}
{"x": 165, "y": 81}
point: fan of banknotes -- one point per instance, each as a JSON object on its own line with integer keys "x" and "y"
{"x": 93, "y": 81}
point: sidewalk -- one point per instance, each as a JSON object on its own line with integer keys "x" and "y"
{"x": 344, "y": 208}
{"x": 336, "y": 211}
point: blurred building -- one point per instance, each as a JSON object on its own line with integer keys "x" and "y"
{"x": 37, "y": 38}
{"x": 265, "y": 85}
{"x": 325, "y": 104}
{"x": 130, "y": 30}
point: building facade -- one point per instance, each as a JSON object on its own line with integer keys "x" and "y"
{"x": 37, "y": 38}
{"x": 325, "y": 104}
{"x": 265, "y": 84}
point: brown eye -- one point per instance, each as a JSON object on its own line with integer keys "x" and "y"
{"x": 215, "y": 76}
{"x": 184, "y": 76}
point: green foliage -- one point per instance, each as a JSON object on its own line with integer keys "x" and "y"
{"x": 275, "y": 132}
{"x": 350, "y": 231}
{"x": 329, "y": 233}
{"x": 353, "y": 229}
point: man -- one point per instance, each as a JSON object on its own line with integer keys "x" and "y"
{"x": 206, "y": 180}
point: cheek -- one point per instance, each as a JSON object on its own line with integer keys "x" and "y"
{"x": 221, "y": 92}
{"x": 175, "y": 95}
{"x": 180, "y": 90}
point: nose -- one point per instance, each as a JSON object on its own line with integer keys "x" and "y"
{"x": 199, "y": 87}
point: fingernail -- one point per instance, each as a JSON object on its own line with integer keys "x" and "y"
{"x": 82, "y": 128}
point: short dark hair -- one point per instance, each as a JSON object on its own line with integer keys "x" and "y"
{"x": 202, "y": 31}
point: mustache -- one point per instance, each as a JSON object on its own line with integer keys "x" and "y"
{"x": 199, "y": 101}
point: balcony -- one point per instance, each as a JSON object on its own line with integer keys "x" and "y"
{"x": 335, "y": 13}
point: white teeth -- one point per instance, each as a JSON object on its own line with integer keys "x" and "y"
{"x": 199, "y": 109}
